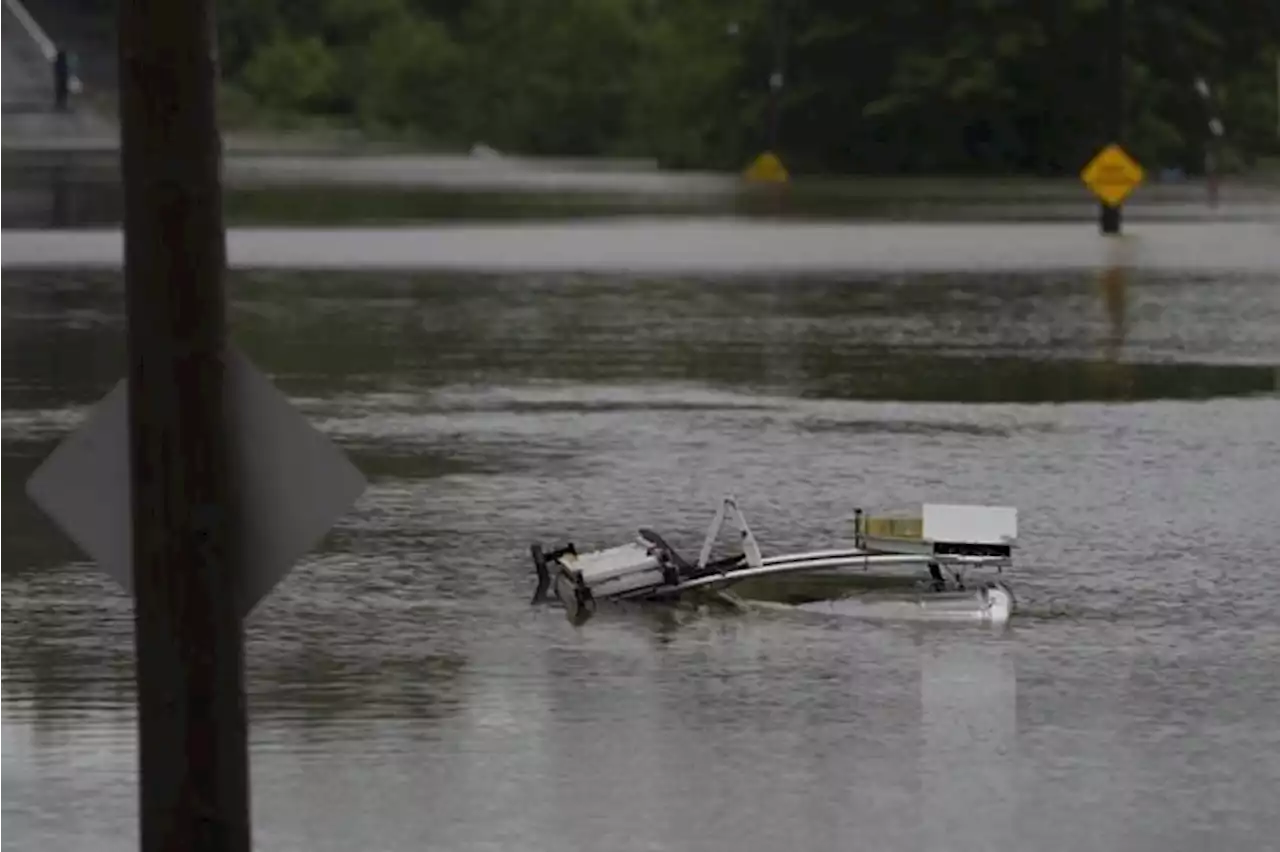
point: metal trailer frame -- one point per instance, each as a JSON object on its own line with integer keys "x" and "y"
{"x": 677, "y": 576}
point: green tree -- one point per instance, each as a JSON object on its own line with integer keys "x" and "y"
{"x": 549, "y": 76}
{"x": 292, "y": 73}
{"x": 410, "y": 76}
{"x": 910, "y": 86}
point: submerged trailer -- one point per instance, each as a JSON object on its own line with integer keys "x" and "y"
{"x": 941, "y": 543}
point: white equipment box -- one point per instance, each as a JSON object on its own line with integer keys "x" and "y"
{"x": 943, "y": 529}
{"x": 615, "y": 571}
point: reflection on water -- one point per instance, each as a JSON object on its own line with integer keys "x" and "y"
{"x": 979, "y": 337}
{"x": 404, "y": 696}
{"x": 1114, "y": 286}
{"x": 976, "y": 337}
{"x": 1112, "y": 372}
{"x": 969, "y": 732}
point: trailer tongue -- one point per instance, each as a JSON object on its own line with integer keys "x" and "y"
{"x": 942, "y": 542}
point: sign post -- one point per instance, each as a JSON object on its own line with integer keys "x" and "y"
{"x": 1109, "y": 213}
{"x": 193, "y": 483}
{"x": 768, "y": 167}
{"x": 192, "y": 727}
{"x": 1112, "y": 175}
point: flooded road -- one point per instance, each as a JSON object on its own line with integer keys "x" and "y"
{"x": 699, "y": 246}
{"x": 404, "y": 696}
{"x": 71, "y": 190}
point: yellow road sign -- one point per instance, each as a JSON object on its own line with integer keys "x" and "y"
{"x": 1112, "y": 175}
{"x": 767, "y": 168}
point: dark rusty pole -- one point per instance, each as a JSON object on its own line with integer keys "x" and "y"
{"x": 1109, "y": 216}
{"x": 193, "y": 753}
{"x": 777, "y": 74}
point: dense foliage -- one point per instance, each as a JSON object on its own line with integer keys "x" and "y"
{"x": 910, "y": 85}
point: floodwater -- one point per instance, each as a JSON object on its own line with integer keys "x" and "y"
{"x": 405, "y": 696}
{"x": 695, "y": 246}
{"x": 81, "y": 188}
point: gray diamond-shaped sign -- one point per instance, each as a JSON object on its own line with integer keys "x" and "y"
{"x": 296, "y": 483}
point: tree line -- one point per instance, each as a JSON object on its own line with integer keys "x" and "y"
{"x": 910, "y": 86}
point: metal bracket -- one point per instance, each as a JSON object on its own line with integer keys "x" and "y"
{"x": 729, "y": 509}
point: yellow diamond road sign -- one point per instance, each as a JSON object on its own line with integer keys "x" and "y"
{"x": 767, "y": 168}
{"x": 1112, "y": 175}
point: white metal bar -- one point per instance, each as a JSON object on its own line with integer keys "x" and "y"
{"x": 729, "y": 507}
{"x": 712, "y": 531}
{"x": 846, "y": 553}
{"x": 40, "y": 37}
{"x": 855, "y": 553}
{"x": 779, "y": 568}
{"x": 33, "y": 29}
{"x": 850, "y": 561}
{"x": 819, "y": 560}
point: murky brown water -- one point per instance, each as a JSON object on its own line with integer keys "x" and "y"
{"x": 405, "y": 697}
